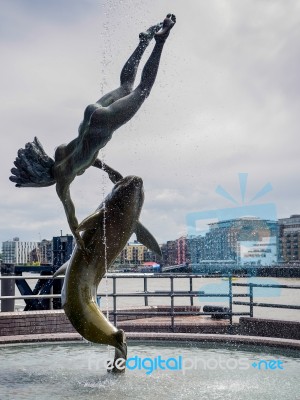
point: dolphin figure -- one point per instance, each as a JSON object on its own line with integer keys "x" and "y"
{"x": 105, "y": 234}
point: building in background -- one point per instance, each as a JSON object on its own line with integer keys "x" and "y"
{"x": 136, "y": 253}
{"x": 289, "y": 239}
{"x": 230, "y": 243}
{"x": 46, "y": 252}
{"x": 164, "y": 254}
{"x": 221, "y": 245}
{"x": 183, "y": 256}
{"x": 170, "y": 255}
{"x": 19, "y": 253}
{"x": 175, "y": 252}
{"x": 133, "y": 253}
{"x": 197, "y": 248}
{"x": 150, "y": 256}
{"x": 62, "y": 249}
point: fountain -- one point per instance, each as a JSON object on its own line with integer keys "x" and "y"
{"x": 78, "y": 371}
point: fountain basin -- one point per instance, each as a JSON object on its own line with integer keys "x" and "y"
{"x": 207, "y": 370}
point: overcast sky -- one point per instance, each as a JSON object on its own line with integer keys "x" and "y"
{"x": 226, "y": 101}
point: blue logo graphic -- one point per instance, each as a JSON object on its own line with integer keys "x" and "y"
{"x": 148, "y": 364}
{"x": 271, "y": 365}
{"x": 245, "y": 235}
{"x": 263, "y": 210}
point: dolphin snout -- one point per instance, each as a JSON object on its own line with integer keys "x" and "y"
{"x": 130, "y": 181}
{"x": 135, "y": 180}
{"x": 132, "y": 184}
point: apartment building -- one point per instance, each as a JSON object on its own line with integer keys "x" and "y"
{"x": 19, "y": 253}
{"x": 289, "y": 239}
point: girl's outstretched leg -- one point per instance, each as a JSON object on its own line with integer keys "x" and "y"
{"x": 129, "y": 70}
{"x": 128, "y": 73}
{"x": 124, "y": 109}
{"x": 151, "y": 67}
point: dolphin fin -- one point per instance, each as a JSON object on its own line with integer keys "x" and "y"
{"x": 61, "y": 270}
{"x": 90, "y": 222}
{"x": 146, "y": 238}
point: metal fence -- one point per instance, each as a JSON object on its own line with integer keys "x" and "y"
{"x": 171, "y": 293}
{"x": 253, "y": 304}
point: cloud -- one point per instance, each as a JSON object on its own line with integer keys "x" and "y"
{"x": 225, "y": 101}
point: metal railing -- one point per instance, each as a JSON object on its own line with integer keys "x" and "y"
{"x": 253, "y": 304}
{"x": 171, "y": 293}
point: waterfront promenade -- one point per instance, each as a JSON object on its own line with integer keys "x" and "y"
{"x": 147, "y": 305}
{"x": 126, "y": 285}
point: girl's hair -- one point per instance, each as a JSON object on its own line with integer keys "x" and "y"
{"x": 34, "y": 168}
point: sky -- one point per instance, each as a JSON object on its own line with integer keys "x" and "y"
{"x": 225, "y": 102}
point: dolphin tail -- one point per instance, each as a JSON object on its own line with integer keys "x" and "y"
{"x": 120, "y": 353}
{"x": 147, "y": 239}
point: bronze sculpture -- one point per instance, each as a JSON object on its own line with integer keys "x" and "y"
{"x": 108, "y": 229}
{"x": 35, "y": 169}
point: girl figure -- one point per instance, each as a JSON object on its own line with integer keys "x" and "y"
{"x": 34, "y": 168}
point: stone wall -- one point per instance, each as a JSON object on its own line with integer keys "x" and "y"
{"x": 270, "y": 328}
{"x": 49, "y": 321}
{"x": 55, "y": 321}
{"x": 34, "y": 322}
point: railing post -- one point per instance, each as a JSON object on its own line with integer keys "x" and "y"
{"x": 115, "y": 299}
{"x": 146, "y": 289}
{"x": 191, "y": 289}
{"x": 230, "y": 297}
{"x": 172, "y": 302}
{"x": 51, "y": 300}
{"x": 251, "y": 298}
{"x": 7, "y": 288}
{"x": 56, "y": 289}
